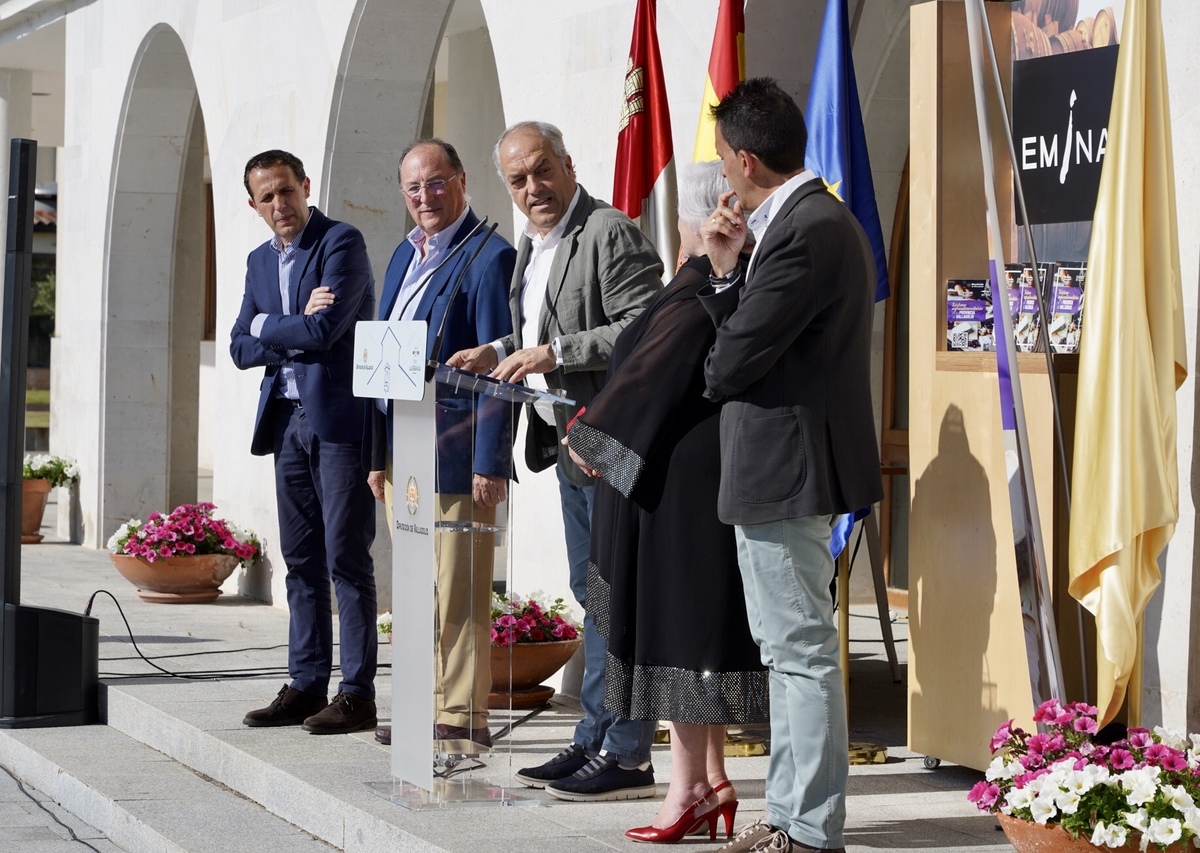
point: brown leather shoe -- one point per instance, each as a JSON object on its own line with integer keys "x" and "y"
{"x": 383, "y": 734}
{"x": 346, "y": 713}
{"x": 481, "y": 736}
{"x": 290, "y": 708}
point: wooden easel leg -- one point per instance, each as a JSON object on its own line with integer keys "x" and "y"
{"x": 875, "y": 551}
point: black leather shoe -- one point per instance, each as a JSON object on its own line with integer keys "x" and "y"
{"x": 481, "y": 736}
{"x": 346, "y": 713}
{"x": 290, "y": 708}
{"x": 383, "y": 734}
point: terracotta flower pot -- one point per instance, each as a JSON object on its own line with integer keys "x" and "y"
{"x": 518, "y": 670}
{"x": 193, "y": 579}
{"x": 33, "y": 507}
{"x": 1028, "y": 837}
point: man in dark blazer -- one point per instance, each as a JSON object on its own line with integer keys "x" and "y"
{"x": 792, "y": 363}
{"x": 474, "y": 435}
{"x": 584, "y": 271}
{"x": 311, "y": 423}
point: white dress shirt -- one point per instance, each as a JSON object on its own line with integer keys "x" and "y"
{"x": 535, "y": 278}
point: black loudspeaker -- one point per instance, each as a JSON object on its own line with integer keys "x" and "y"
{"x": 51, "y": 657}
{"x": 51, "y": 668}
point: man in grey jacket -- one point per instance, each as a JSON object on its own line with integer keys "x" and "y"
{"x": 792, "y": 363}
{"x": 584, "y": 271}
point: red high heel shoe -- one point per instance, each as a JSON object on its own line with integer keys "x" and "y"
{"x": 725, "y": 810}
{"x": 688, "y": 822}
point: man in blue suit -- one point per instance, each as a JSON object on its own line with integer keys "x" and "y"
{"x": 474, "y": 436}
{"x": 311, "y": 423}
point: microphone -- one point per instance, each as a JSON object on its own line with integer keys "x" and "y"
{"x": 432, "y": 362}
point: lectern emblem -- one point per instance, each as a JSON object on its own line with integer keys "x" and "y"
{"x": 412, "y": 496}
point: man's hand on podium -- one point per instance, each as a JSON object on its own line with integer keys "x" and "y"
{"x": 478, "y": 359}
{"x": 525, "y": 361}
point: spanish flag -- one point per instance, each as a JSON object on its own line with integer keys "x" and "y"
{"x": 1131, "y": 361}
{"x": 726, "y": 68}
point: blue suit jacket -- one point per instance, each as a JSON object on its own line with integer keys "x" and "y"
{"x": 479, "y": 314}
{"x": 331, "y": 254}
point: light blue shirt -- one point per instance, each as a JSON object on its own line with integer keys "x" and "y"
{"x": 285, "y": 382}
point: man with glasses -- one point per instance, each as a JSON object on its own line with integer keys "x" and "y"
{"x": 474, "y": 452}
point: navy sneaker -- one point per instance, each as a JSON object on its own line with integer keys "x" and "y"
{"x": 603, "y": 778}
{"x": 559, "y": 767}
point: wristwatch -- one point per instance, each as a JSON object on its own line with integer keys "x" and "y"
{"x": 556, "y": 348}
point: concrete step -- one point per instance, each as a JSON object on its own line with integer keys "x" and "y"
{"x": 141, "y": 799}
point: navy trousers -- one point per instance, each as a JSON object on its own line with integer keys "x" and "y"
{"x": 326, "y": 527}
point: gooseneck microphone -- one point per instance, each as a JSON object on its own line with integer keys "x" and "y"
{"x": 434, "y": 353}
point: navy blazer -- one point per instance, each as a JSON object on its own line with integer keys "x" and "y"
{"x": 478, "y": 315}
{"x": 330, "y": 254}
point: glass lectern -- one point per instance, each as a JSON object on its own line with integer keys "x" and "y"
{"x": 452, "y": 737}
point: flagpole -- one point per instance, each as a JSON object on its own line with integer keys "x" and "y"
{"x": 1051, "y": 372}
{"x": 1045, "y": 665}
{"x": 660, "y": 211}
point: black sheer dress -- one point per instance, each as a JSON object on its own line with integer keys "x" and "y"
{"x": 663, "y": 579}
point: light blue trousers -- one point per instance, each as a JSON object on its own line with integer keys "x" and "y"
{"x": 786, "y": 571}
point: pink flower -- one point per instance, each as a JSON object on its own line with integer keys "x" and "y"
{"x": 1120, "y": 759}
{"x": 1087, "y": 725}
{"x": 1000, "y": 738}
{"x": 984, "y": 795}
{"x": 1139, "y": 738}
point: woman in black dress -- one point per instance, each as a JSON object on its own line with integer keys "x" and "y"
{"x": 663, "y": 580}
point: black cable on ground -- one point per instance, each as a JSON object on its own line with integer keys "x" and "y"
{"x": 199, "y": 675}
{"x": 42, "y": 806}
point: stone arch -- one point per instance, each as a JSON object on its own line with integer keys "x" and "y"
{"x": 386, "y": 95}
{"x": 384, "y": 79}
{"x": 154, "y": 289}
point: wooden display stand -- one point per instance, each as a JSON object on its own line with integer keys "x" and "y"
{"x": 967, "y": 662}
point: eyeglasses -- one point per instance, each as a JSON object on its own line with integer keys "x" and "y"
{"x": 435, "y": 187}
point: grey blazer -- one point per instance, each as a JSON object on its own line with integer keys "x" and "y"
{"x": 605, "y": 272}
{"x": 792, "y": 360}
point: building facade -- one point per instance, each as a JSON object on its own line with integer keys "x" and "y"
{"x": 154, "y": 106}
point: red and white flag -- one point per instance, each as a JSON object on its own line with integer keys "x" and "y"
{"x": 644, "y": 149}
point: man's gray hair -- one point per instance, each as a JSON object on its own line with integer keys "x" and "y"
{"x": 546, "y": 130}
{"x": 700, "y": 188}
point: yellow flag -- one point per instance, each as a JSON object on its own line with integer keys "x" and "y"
{"x": 1132, "y": 358}
{"x": 726, "y": 68}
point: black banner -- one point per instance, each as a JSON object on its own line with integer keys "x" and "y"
{"x": 1060, "y": 111}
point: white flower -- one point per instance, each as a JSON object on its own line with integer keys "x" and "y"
{"x": 1178, "y": 797}
{"x": 1067, "y": 802}
{"x": 1191, "y": 820}
{"x": 1172, "y": 738}
{"x": 1140, "y": 785}
{"x": 1163, "y": 830}
{"x": 1000, "y": 769}
{"x": 1019, "y": 798}
{"x": 1108, "y": 835}
{"x": 384, "y": 622}
{"x": 1138, "y": 820}
{"x": 1042, "y": 809}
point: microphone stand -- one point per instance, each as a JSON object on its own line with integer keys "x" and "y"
{"x": 432, "y": 362}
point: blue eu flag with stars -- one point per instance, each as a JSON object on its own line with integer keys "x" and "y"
{"x": 837, "y": 145}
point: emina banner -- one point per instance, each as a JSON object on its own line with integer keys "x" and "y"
{"x": 1060, "y": 107}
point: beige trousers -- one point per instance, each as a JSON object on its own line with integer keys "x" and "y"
{"x": 463, "y": 630}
